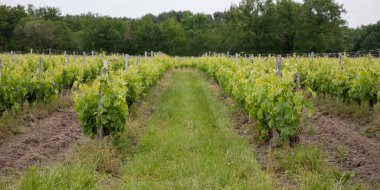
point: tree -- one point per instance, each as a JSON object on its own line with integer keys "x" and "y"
{"x": 286, "y": 16}
{"x": 173, "y": 37}
{"x": 10, "y": 17}
{"x": 147, "y": 35}
{"x": 37, "y": 34}
{"x": 47, "y": 13}
{"x": 252, "y": 26}
{"x": 320, "y": 27}
{"x": 63, "y": 37}
{"x": 196, "y": 28}
{"x": 366, "y": 37}
{"x": 102, "y": 33}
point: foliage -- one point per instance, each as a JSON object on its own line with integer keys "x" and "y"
{"x": 269, "y": 99}
{"x": 356, "y": 80}
{"x": 119, "y": 89}
{"x": 365, "y": 37}
{"x": 20, "y": 80}
{"x": 253, "y": 26}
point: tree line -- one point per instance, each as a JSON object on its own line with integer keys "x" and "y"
{"x": 252, "y": 26}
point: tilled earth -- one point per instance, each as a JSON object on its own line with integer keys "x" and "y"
{"x": 48, "y": 140}
{"x": 347, "y": 147}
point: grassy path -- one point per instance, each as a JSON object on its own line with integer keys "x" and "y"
{"x": 190, "y": 144}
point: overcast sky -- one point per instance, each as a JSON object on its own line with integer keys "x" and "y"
{"x": 359, "y": 12}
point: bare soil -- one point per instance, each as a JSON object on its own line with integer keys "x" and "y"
{"x": 48, "y": 140}
{"x": 347, "y": 147}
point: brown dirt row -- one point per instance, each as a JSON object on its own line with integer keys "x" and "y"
{"x": 48, "y": 140}
{"x": 346, "y": 146}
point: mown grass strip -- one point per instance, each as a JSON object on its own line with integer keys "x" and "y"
{"x": 190, "y": 144}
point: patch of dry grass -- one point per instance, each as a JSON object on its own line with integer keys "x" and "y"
{"x": 22, "y": 120}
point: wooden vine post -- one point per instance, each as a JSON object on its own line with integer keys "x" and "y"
{"x": 126, "y": 62}
{"x": 236, "y": 58}
{"x": 275, "y": 141}
{"x": 40, "y": 68}
{"x": 297, "y": 86}
{"x": 84, "y": 59}
{"x": 100, "y": 134}
{"x": 278, "y": 66}
{"x": 100, "y": 108}
{"x": 137, "y": 60}
{"x": 250, "y": 74}
{"x": 39, "y": 71}
{"x": 371, "y": 109}
{"x": 297, "y": 80}
{"x": 1, "y": 68}
{"x": 11, "y": 59}
{"x": 151, "y": 56}
{"x": 252, "y": 59}
{"x": 67, "y": 59}
{"x": 371, "y": 103}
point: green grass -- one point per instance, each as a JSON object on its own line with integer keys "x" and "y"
{"x": 306, "y": 167}
{"x": 94, "y": 166}
{"x": 61, "y": 177}
{"x": 190, "y": 144}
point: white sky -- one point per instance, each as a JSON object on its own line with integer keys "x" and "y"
{"x": 359, "y": 12}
